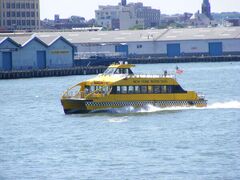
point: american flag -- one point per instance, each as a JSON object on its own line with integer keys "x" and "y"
{"x": 178, "y": 71}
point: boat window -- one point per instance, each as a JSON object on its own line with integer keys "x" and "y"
{"x": 114, "y": 90}
{"x": 99, "y": 89}
{"x": 124, "y": 89}
{"x": 137, "y": 90}
{"x": 130, "y": 89}
{"x": 92, "y": 88}
{"x": 178, "y": 89}
{"x": 105, "y": 90}
{"x": 144, "y": 89}
{"x": 118, "y": 89}
{"x": 164, "y": 89}
{"x": 169, "y": 89}
{"x": 156, "y": 89}
{"x": 87, "y": 90}
{"x": 120, "y": 71}
{"x": 117, "y": 71}
{"x": 110, "y": 70}
{"x": 150, "y": 89}
{"x": 123, "y": 71}
{"x": 130, "y": 71}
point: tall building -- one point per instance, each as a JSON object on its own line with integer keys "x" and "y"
{"x": 206, "y": 8}
{"x": 151, "y": 16}
{"x": 124, "y": 2}
{"x": 125, "y": 16}
{"x": 19, "y": 14}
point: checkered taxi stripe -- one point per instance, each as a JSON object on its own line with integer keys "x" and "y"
{"x": 143, "y": 103}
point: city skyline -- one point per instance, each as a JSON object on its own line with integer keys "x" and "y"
{"x": 66, "y": 8}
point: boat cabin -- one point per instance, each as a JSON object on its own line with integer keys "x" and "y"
{"x": 110, "y": 82}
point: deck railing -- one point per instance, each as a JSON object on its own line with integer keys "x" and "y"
{"x": 74, "y": 92}
{"x": 139, "y": 75}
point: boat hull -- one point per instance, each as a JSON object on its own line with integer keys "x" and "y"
{"x": 75, "y": 106}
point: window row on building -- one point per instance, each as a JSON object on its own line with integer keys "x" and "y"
{"x": 18, "y": 5}
{"x": 20, "y": 23}
{"x": 20, "y": 14}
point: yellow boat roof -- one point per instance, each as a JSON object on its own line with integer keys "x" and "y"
{"x": 105, "y": 79}
{"x": 122, "y": 66}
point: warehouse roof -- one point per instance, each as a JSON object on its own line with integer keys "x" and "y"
{"x": 202, "y": 33}
{"x": 51, "y": 40}
{"x": 97, "y": 37}
{"x": 3, "y": 39}
{"x": 106, "y": 36}
{"x": 24, "y": 39}
{"x": 147, "y": 35}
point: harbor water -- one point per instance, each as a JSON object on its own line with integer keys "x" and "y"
{"x": 38, "y": 141}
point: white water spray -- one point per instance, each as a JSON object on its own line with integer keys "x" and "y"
{"x": 150, "y": 108}
{"x": 118, "y": 120}
{"x": 225, "y": 105}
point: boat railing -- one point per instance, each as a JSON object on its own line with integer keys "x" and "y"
{"x": 139, "y": 75}
{"x": 73, "y": 92}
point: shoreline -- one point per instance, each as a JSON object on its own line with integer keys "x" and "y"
{"x": 18, "y": 74}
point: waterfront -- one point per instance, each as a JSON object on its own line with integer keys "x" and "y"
{"x": 101, "y": 66}
{"x": 37, "y": 141}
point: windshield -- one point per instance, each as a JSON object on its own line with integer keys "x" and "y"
{"x": 110, "y": 70}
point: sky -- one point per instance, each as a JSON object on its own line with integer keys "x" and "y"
{"x": 85, "y": 8}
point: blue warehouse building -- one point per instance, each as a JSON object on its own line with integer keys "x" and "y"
{"x": 31, "y": 52}
{"x": 44, "y": 50}
{"x": 183, "y": 42}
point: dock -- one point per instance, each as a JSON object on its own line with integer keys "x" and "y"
{"x": 190, "y": 59}
{"x": 17, "y": 74}
{"x": 52, "y": 72}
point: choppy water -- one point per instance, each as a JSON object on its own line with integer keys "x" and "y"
{"x": 37, "y": 141}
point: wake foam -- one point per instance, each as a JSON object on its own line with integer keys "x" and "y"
{"x": 150, "y": 108}
{"x": 225, "y": 105}
{"x": 118, "y": 120}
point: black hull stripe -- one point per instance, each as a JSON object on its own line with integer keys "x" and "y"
{"x": 143, "y": 103}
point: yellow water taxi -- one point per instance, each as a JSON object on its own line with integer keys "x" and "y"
{"x": 118, "y": 87}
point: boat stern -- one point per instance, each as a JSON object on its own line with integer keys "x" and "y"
{"x": 202, "y": 102}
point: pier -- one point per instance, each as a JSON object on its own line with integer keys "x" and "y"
{"x": 17, "y": 74}
{"x": 190, "y": 59}
{"x": 52, "y": 72}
